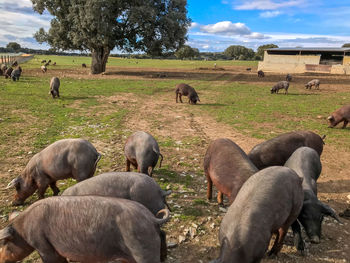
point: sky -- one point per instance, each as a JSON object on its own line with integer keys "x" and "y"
{"x": 217, "y": 24}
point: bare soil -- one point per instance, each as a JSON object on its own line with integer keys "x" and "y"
{"x": 191, "y": 131}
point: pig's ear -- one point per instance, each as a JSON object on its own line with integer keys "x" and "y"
{"x": 6, "y": 233}
{"x": 13, "y": 183}
{"x": 328, "y": 211}
{"x": 166, "y": 193}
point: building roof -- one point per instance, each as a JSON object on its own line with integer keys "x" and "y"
{"x": 316, "y": 49}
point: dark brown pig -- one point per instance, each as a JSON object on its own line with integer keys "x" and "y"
{"x": 268, "y": 203}
{"x": 85, "y": 229}
{"x": 306, "y": 163}
{"x": 227, "y": 167}
{"x": 186, "y": 90}
{"x": 16, "y": 74}
{"x": 68, "y": 158}
{"x": 142, "y": 151}
{"x": 133, "y": 186}
{"x": 261, "y": 74}
{"x": 8, "y": 72}
{"x": 342, "y": 114}
{"x": 276, "y": 151}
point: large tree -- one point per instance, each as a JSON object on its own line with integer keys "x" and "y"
{"x": 151, "y": 26}
{"x": 261, "y": 49}
{"x": 239, "y": 52}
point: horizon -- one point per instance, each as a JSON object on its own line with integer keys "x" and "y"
{"x": 250, "y": 23}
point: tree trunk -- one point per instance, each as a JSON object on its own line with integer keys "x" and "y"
{"x": 99, "y": 60}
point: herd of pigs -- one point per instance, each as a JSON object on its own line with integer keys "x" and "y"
{"x": 118, "y": 215}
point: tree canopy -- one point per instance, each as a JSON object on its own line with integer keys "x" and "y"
{"x": 151, "y": 26}
{"x": 187, "y": 52}
{"x": 14, "y": 46}
{"x": 346, "y": 45}
{"x": 261, "y": 49}
{"x": 239, "y": 52}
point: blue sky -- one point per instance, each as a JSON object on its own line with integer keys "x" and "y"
{"x": 217, "y": 24}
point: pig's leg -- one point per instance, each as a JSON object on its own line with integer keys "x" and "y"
{"x": 180, "y": 97}
{"x": 345, "y": 123}
{"x": 163, "y": 246}
{"x": 298, "y": 239}
{"x": 127, "y": 165}
{"x": 277, "y": 246}
{"x": 43, "y": 183}
{"x": 220, "y": 198}
{"x": 48, "y": 254}
{"x": 210, "y": 187}
{"x": 54, "y": 188}
{"x": 177, "y": 94}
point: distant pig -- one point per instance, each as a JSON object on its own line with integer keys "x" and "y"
{"x": 142, "y": 151}
{"x": 261, "y": 74}
{"x": 276, "y": 151}
{"x": 85, "y": 229}
{"x": 307, "y": 164}
{"x": 133, "y": 186}
{"x": 268, "y": 203}
{"x": 314, "y": 82}
{"x": 43, "y": 69}
{"x": 186, "y": 90}
{"x": 341, "y": 114}
{"x": 15, "y": 74}
{"x": 280, "y": 85}
{"x": 54, "y": 87}
{"x": 289, "y": 77}
{"x": 68, "y": 158}
{"x": 228, "y": 167}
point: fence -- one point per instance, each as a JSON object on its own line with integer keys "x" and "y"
{"x": 8, "y": 59}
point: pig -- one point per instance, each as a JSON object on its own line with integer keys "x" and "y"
{"x": 82, "y": 65}
{"x": 142, "y": 151}
{"x": 280, "y": 85}
{"x": 133, "y": 186}
{"x": 268, "y": 203}
{"x": 67, "y": 158}
{"x": 47, "y": 64}
{"x": 43, "y": 61}
{"x": 14, "y": 64}
{"x": 54, "y": 87}
{"x": 261, "y": 74}
{"x": 228, "y": 167}
{"x": 8, "y": 72}
{"x": 306, "y": 163}
{"x": 85, "y": 229}
{"x": 15, "y": 75}
{"x": 186, "y": 90}
{"x": 54, "y": 64}
{"x": 341, "y": 114}
{"x": 314, "y": 82}
{"x": 3, "y": 69}
{"x": 43, "y": 69}
{"x": 289, "y": 78}
{"x": 276, "y": 151}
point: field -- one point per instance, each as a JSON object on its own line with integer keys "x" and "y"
{"x": 139, "y": 95}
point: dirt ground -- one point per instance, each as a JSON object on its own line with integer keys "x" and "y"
{"x": 196, "y": 239}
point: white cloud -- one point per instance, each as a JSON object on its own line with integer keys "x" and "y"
{"x": 269, "y": 14}
{"x": 194, "y": 25}
{"x": 267, "y": 4}
{"x": 227, "y": 28}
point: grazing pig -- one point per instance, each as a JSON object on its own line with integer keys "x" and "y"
{"x": 85, "y": 229}
{"x": 248, "y": 69}
{"x": 306, "y": 163}
{"x": 8, "y": 72}
{"x": 268, "y": 203}
{"x": 15, "y": 75}
{"x": 280, "y": 85}
{"x": 228, "y": 167}
{"x": 68, "y": 158}
{"x": 43, "y": 69}
{"x": 289, "y": 78}
{"x": 43, "y": 61}
{"x": 261, "y": 74}
{"x": 54, "y": 64}
{"x": 342, "y": 114}
{"x": 82, "y": 65}
{"x": 133, "y": 186}
{"x": 276, "y": 151}
{"x": 186, "y": 90}
{"x": 54, "y": 87}
{"x": 142, "y": 151}
{"x": 314, "y": 82}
